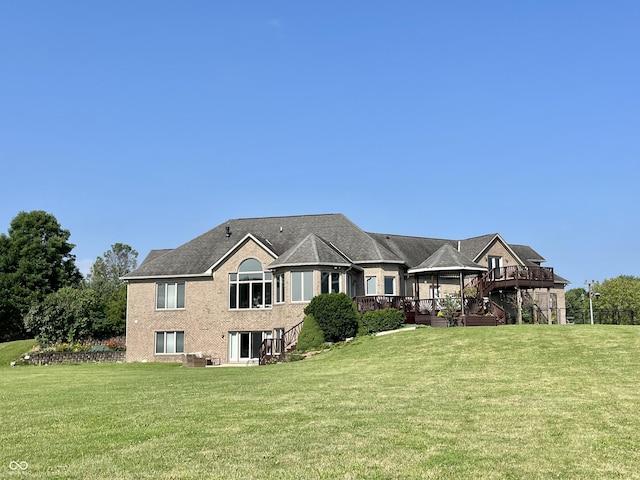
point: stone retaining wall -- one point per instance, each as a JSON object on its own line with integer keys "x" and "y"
{"x": 50, "y": 358}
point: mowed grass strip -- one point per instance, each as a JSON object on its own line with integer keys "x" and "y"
{"x": 506, "y": 402}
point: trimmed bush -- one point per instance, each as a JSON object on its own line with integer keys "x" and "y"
{"x": 382, "y": 320}
{"x": 310, "y": 337}
{"x": 336, "y": 315}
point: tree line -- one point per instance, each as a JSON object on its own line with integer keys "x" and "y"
{"x": 615, "y": 300}
{"x": 45, "y": 296}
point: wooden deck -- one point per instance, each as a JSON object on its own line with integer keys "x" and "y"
{"x": 516, "y": 276}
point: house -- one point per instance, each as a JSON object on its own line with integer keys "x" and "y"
{"x": 243, "y": 285}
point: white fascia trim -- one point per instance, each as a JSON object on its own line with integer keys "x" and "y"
{"x": 236, "y": 247}
{"x": 164, "y": 277}
{"x": 447, "y": 269}
{"x": 380, "y": 262}
{"x": 310, "y": 264}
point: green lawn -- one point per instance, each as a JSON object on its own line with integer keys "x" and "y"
{"x": 509, "y": 402}
{"x": 12, "y": 351}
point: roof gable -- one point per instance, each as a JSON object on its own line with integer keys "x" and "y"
{"x": 447, "y": 258}
{"x": 312, "y": 250}
{"x": 474, "y": 247}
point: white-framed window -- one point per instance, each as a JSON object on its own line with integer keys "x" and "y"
{"x": 330, "y": 282}
{"x": 250, "y": 287}
{"x": 389, "y": 285}
{"x": 168, "y": 343}
{"x": 371, "y": 285}
{"x": 169, "y": 295}
{"x": 301, "y": 286}
{"x": 278, "y": 283}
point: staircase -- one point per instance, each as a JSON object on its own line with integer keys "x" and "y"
{"x": 274, "y": 349}
{"x": 509, "y": 278}
{"x": 516, "y": 276}
{"x": 539, "y": 315}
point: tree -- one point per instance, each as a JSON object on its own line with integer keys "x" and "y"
{"x": 107, "y": 270}
{"x": 35, "y": 260}
{"x": 311, "y": 337}
{"x": 577, "y": 303}
{"x": 618, "y": 299}
{"x": 105, "y": 279}
{"x": 64, "y": 316}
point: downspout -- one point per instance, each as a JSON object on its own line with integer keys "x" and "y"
{"x": 346, "y": 278}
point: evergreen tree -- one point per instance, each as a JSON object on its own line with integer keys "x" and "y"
{"x": 35, "y": 260}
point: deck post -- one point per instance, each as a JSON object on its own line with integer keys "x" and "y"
{"x": 519, "y": 304}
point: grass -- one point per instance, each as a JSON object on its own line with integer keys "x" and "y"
{"x": 497, "y": 403}
{"x": 11, "y": 351}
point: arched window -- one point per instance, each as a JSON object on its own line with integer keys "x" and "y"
{"x": 250, "y": 287}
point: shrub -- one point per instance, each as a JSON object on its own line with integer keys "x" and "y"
{"x": 310, "y": 337}
{"x": 382, "y": 320}
{"x": 99, "y": 348}
{"x": 336, "y": 315}
{"x": 67, "y": 315}
{"x": 70, "y": 347}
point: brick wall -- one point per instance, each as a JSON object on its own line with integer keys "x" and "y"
{"x": 206, "y": 319}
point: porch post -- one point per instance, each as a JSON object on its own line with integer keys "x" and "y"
{"x": 519, "y": 304}
{"x": 462, "y": 294}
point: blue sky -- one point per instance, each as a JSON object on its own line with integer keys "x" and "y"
{"x": 150, "y": 122}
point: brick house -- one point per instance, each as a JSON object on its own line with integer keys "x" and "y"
{"x": 247, "y": 281}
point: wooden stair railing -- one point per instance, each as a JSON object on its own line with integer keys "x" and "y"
{"x": 526, "y": 297}
{"x": 276, "y": 348}
{"x": 499, "y": 313}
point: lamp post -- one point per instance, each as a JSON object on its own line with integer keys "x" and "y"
{"x": 590, "y": 283}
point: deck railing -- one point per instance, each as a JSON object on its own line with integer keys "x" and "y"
{"x": 379, "y": 302}
{"x": 513, "y": 276}
{"x": 425, "y": 306}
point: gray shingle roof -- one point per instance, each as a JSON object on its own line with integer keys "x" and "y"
{"x": 312, "y": 250}
{"x": 326, "y": 239}
{"x": 413, "y": 250}
{"x": 153, "y": 254}
{"x": 447, "y": 258}
{"x": 473, "y": 247}
{"x": 279, "y": 234}
{"x": 528, "y": 255}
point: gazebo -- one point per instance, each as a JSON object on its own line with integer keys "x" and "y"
{"x": 445, "y": 261}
